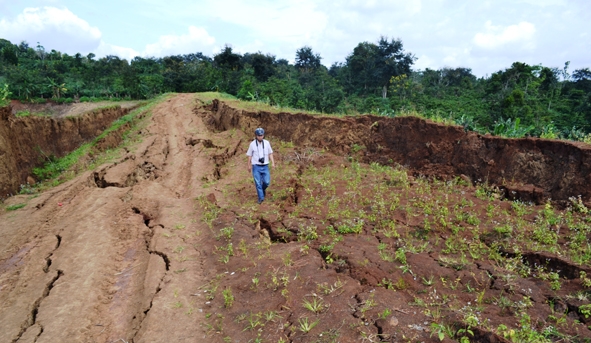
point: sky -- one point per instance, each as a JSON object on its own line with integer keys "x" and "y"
{"x": 485, "y": 36}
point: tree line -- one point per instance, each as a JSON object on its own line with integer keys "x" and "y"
{"x": 376, "y": 77}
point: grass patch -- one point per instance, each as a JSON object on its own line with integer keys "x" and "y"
{"x": 15, "y": 207}
{"x": 27, "y": 113}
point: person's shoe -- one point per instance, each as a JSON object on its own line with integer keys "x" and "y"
{"x": 260, "y": 201}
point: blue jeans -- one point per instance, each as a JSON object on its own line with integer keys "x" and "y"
{"x": 262, "y": 179}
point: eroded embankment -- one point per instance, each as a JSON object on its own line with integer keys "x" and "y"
{"x": 529, "y": 169}
{"x": 27, "y": 142}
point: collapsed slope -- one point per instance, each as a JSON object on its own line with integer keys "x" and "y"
{"x": 530, "y": 169}
{"x": 28, "y": 142}
{"x": 168, "y": 244}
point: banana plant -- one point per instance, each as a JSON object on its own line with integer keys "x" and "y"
{"x": 57, "y": 89}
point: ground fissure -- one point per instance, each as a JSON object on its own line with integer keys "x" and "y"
{"x": 348, "y": 245}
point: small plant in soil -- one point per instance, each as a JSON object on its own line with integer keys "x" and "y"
{"x": 385, "y": 314}
{"x": 271, "y": 316}
{"x": 577, "y": 205}
{"x": 330, "y": 288}
{"x": 255, "y": 281}
{"x": 316, "y": 305}
{"x": 243, "y": 247}
{"x": 253, "y": 321}
{"x": 387, "y": 284}
{"x": 428, "y": 281}
{"x": 305, "y": 325}
{"x": 226, "y": 233}
{"x": 226, "y": 251}
{"x": 211, "y": 210}
{"x": 442, "y": 331}
{"x": 585, "y": 310}
{"x": 585, "y": 281}
{"x": 367, "y": 305}
{"x": 287, "y": 260}
{"x": 228, "y": 297}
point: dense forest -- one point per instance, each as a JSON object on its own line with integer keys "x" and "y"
{"x": 375, "y": 78}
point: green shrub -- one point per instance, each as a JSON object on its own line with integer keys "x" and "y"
{"x": 4, "y": 96}
{"x": 511, "y": 129}
{"x": 549, "y": 131}
{"x": 64, "y": 101}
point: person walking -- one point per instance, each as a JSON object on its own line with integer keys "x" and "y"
{"x": 259, "y": 154}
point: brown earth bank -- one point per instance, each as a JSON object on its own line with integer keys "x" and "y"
{"x": 530, "y": 169}
{"x": 168, "y": 243}
{"x": 27, "y": 142}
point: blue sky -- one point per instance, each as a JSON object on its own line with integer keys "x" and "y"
{"x": 486, "y": 36}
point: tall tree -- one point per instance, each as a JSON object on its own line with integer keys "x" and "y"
{"x": 262, "y": 65}
{"x": 306, "y": 60}
{"x": 373, "y": 65}
{"x": 227, "y": 59}
{"x": 229, "y": 63}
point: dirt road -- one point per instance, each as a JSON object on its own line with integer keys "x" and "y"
{"x": 90, "y": 261}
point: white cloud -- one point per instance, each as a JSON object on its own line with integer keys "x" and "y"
{"x": 196, "y": 40}
{"x": 423, "y": 62}
{"x": 53, "y": 27}
{"x": 292, "y": 22}
{"x": 62, "y": 30}
{"x": 496, "y": 36}
{"x": 105, "y": 49}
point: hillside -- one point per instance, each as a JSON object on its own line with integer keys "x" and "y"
{"x": 374, "y": 230}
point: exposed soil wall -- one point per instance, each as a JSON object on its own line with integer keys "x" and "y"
{"x": 25, "y": 142}
{"x": 530, "y": 168}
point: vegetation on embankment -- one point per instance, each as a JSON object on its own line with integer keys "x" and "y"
{"x": 42, "y": 148}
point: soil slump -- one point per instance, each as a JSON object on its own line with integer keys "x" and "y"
{"x": 28, "y": 142}
{"x": 168, "y": 244}
{"x": 530, "y": 168}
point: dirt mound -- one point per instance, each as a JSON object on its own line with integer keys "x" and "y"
{"x": 168, "y": 243}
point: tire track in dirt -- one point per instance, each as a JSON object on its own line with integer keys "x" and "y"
{"x": 115, "y": 254}
{"x": 182, "y": 172}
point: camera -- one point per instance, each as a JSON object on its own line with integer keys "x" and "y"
{"x": 262, "y": 160}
